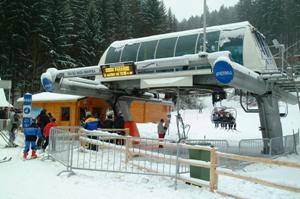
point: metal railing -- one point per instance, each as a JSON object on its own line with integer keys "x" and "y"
{"x": 3, "y": 124}
{"x": 268, "y": 147}
{"x": 103, "y": 151}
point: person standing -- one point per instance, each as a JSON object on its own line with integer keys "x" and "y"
{"x": 14, "y": 124}
{"x": 108, "y": 122}
{"x": 47, "y": 132}
{"x": 119, "y": 124}
{"x": 161, "y": 131}
{"x": 31, "y": 134}
{"x": 42, "y": 121}
{"x": 91, "y": 123}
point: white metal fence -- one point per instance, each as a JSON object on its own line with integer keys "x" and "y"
{"x": 268, "y": 147}
{"x": 102, "y": 151}
{"x": 3, "y": 124}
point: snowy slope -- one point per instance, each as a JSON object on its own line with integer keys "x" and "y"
{"x": 202, "y": 127}
{"x": 37, "y": 179}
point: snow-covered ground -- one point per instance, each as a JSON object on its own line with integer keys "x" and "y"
{"x": 35, "y": 179}
{"x": 202, "y": 127}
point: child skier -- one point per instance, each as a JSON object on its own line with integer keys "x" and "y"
{"x": 31, "y": 133}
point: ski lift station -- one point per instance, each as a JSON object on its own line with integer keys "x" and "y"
{"x": 174, "y": 64}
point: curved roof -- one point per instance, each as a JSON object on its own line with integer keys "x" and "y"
{"x": 118, "y": 44}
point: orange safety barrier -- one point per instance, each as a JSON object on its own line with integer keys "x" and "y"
{"x": 133, "y": 130}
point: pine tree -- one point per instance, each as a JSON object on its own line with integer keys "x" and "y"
{"x": 135, "y": 17}
{"x": 171, "y": 21}
{"x": 275, "y": 19}
{"x": 60, "y": 33}
{"x": 154, "y": 16}
{"x": 92, "y": 37}
{"x": 14, "y": 31}
{"x": 79, "y": 12}
{"x": 107, "y": 20}
{"x": 212, "y": 18}
{"x": 293, "y": 21}
{"x": 245, "y": 10}
{"x": 122, "y": 21}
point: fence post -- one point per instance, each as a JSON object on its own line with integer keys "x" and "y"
{"x": 177, "y": 165}
{"x": 128, "y": 146}
{"x": 295, "y": 143}
{"x": 127, "y": 131}
{"x": 71, "y": 154}
{"x": 270, "y": 146}
{"x": 213, "y": 184}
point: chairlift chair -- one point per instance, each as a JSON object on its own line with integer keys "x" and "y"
{"x": 283, "y": 113}
{"x": 218, "y": 113}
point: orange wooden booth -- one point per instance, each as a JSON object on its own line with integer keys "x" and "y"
{"x": 68, "y": 109}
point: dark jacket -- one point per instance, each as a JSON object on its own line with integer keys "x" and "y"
{"x": 108, "y": 124}
{"x": 42, "y": 120}
{"x": 119, "y": 122}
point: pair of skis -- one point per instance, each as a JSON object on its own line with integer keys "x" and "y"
{"x": 5, "y": 159}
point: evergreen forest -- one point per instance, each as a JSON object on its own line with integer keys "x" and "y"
{"x": 39, "y": 34}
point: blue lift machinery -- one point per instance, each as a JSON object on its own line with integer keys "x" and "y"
{"x": 236, "y": 56}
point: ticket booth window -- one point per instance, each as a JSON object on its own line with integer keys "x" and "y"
{"x": 65, "y": 113}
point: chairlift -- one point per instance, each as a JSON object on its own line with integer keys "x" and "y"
{"x": 283, "y": 109}
{"x": 224, "y": 117}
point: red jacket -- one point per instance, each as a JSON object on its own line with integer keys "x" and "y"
{"x": 48, "y": 127}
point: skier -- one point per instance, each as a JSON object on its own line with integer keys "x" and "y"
{"x": 161, "y": 131}
{"x": 31, "y": 135}
{"x": 47, "y": 132}
{"x": 42, "y": 121}
{"x": 91, "y": 123}
{"x": 13, "y": 125}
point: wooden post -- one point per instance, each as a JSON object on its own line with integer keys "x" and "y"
{"x": 213, "y": 184}
{"x": 215, "y": 170}
{"x": 127, "y": 131}
{"x": 128, "y": 146}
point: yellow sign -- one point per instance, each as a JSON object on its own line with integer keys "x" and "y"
{"x": 116, "y": 71}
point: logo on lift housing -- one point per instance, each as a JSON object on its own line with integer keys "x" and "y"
{"x": 47, "y": 84}
{"x": 223, "y": 72}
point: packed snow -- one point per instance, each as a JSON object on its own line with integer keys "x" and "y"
{"x": 35, "y": 179}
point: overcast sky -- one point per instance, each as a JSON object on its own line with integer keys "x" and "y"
{"x": 186, "y": 8}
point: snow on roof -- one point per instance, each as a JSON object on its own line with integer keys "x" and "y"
{"x": 120, "y": 44}
{"x": 46, "y": 97}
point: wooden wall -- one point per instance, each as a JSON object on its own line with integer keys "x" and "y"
{"x": 55, "y": 109}
{"x": 143, "y": 112}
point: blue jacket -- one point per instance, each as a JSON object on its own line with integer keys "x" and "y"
{"x": 33, "y": 131}
{"x": 90, "y": 123}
